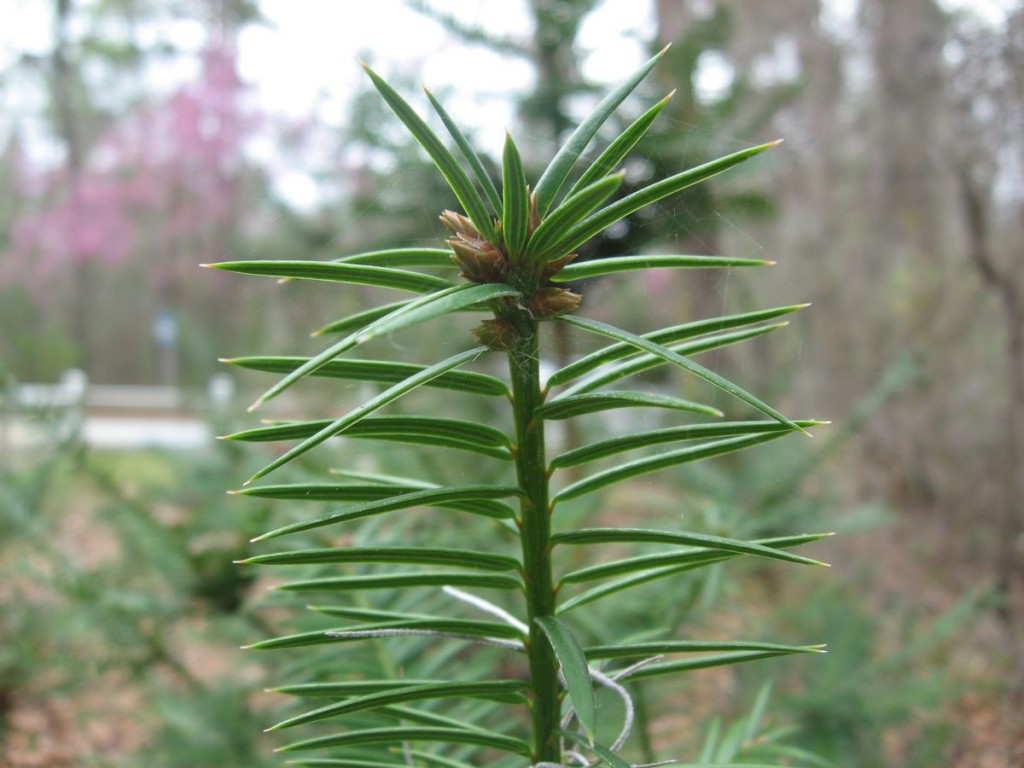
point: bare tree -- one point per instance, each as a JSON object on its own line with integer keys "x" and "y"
{"x": 985, "y": 85}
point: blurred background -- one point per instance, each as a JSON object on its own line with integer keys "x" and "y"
{"x": 139, "y": 139}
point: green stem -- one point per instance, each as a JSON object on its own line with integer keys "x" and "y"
{"x": 535, "y": 535}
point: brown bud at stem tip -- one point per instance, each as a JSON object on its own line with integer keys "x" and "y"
{"x": 479, "y": 260}
{"x": 458, "y": 224}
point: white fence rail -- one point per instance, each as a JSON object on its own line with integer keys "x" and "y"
{"x": 110, "y": 416}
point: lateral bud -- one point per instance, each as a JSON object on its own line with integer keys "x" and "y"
{"x": 552, "y": 302}
{"x": 555, "y": 266}
{"x": 497, "y": 335}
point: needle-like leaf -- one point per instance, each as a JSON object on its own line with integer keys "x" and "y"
{"x": 644, "y": 577}
{"x": 603, "y": 329}
{"x": 406, "y": 581}
{"x": 373, "y": 404}
{"x": 631, "y": 442}
{"x": 608, "y": 757}
{"x": 702, "y": 662}
{"x": 516, "y": 210}
{"x": 616, "y": 152}
{"x": 620, "y": 209}
{"x": 649, "y": 464}
{"x": 368, "y": 614}
{"x": 422, "y": 430}
{"x": 413, "y": 313}
{"x": 649, "y": 536}
{"x": 662, "y": 563}
{"x": 331, "y": 271}
{"x": 431, "y": 497}
{"x": 359, "y": 319}
{"x": 457, "y": 627}
{"x": 333, "y": 762}
{"x": 381, "y": 371}
{"x": 573, "y": 664}
{"x": 467, "y": 152}
{"x": 619, "y": 350}
{"x": 584, "y": 270}
{"x": 347, "y": 688}
{"x": 644, "y": 650}
{"x": 470, "y": 690}
{"x": 692, "y": 559}
{"x": 558, "y": 170}
{"x": 672, "y": 562}
{"x": 461, "y": 558}
{"x": 400, "y": 734}
{"x": 569, "y": 213}
{"x": 579, "y": 405}
{"x": 396, "y": 257}
{"x": 645, "y": 362}
{"x": 457, "y": 179}
{"x": 402, "y": 257}
{"x": 430, "y": 759}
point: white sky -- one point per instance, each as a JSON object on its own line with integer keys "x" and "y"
{"x": 304, "y": 62}
{"x": 307, "y": 55}
{"x": 307, "y": 62}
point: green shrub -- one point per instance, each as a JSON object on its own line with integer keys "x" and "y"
{"x": 533, "y": 698}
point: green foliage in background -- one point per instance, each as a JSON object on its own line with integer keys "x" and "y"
{"x": 554, "y": 687}
{"x": 118, "y": 587}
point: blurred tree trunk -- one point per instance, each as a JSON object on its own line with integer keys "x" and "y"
{"x": 986, "y": 91}
{"x": 65, "y": 92}
{"x": 908, "y": 36}
{"x": 1003, "y": 284}
{"x": 905, "y": 262}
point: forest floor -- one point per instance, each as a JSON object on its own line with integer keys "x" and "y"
{"x": 106, "y": 719}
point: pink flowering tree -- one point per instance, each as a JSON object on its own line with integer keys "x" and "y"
{"x": 158, "y": 192}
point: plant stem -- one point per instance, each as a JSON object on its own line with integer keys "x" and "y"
{"x": 535, "y": 535}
